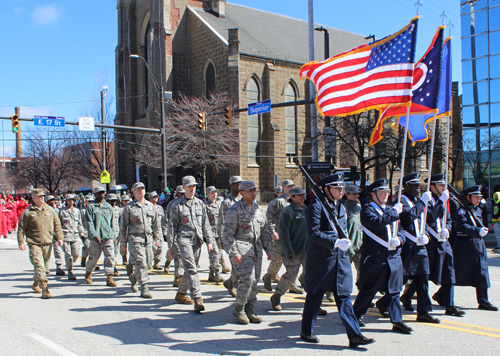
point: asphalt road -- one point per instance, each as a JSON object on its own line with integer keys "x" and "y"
{"x": 95, "y": 319}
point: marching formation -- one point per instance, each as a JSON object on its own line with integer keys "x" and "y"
{"x": 429, "y": 236}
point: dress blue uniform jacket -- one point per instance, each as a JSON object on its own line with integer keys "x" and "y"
{"x": 379, "y": 265}
{"x": 471, "y": 260}
{"x": 327, "y": 267}
{"x": 415, "y": 260}
{"x": 440, "y": 253}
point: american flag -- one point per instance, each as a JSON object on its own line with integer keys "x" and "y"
{"x": 367, "y": 77}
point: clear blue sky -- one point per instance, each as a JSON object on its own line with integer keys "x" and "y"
{"x": 55, "y": 53}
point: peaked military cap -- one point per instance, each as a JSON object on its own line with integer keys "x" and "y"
{"x": 247, "y": 184}
{"x": 436, "y": 179}
{"x": 474, "y": 190}
{"x": 379, "y": 184}
{"x": 235, "y": 179}
{"x": 111, "y": 197}
{"x": 138, "y": 185}
{"x": 180, "y": 189}
{"x": 412, "y": 178}
{"x": 38, "y": 192}
{"x": 287, "y": 183}
{"x": 188, "y": 181}
{"x": 335, "y": 180}
{"x": 296, "y": 191}
{"x": 153, "y": 194}
{"x": 98, "y": 190}
{"x": 211, "y": 189}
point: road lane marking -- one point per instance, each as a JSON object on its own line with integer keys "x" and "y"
{"x": 52, "y": 345}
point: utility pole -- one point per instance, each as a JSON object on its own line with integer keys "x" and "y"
{"x": 312, "y": 89}
{"x": 103, "y": 130}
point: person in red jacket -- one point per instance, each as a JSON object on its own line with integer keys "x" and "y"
{"x": 3, "y": 219}
{"x": 11, "y": 214}
{"x": 21, "y": 205}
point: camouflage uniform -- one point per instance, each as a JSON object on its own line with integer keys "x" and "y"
{"x": 178, "y": 267}
{"x": 216, "y": 254}
{"x": 274, "y": 210}
{"x": 85, "y": 236}
{"x": 72, "y": 227}
{"x": 139, "y": 225}
{"x": 224, "y": 207}
{"x": 58, "y": 250}
{"x": 188, "y": 226}
{"x": 158, "y": 250}
{"x": 117, "y": 212}
{"x": 243, "y": 234}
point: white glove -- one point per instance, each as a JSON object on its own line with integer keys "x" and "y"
{"x": 395, "y": 242}
{"x": 444, "y": 196}
{"x": 343, "y": 244}
{"x": 398, "y": 207}
{"x": 445, "y": 234}
{"x": 483, "y": 232}
{"x": 423, "y": 239}
{"x": 426, "y": 197}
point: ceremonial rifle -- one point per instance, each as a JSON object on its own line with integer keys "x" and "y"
{"x": 323, "y": 200}
{"x": 465, "y": 205}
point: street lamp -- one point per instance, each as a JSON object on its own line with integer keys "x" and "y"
{"x": 103, "y": 131}
{"x": 161, "y": 94}
{"x": 326, "y": 40}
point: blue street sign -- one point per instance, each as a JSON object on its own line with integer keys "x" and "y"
{"x": 259, "y": 107}
{"x": 54, "y": 121}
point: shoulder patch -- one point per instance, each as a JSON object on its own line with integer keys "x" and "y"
{"x": 461, "y": 211}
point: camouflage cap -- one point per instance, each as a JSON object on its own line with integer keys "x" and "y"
{"x": 99, "y": 189}
{"x": 138, "y": 185}
{"x": 38, "y": 192}
{"x": 211, "y": 189}
{"x": 49, "y": 197}
{"x": 125, "y": 197}
{"x": 287, "y": 183}
{"x": 296, "y": 191}
{"x": 153, "y": 194}
{"x": 111, "y": 197}
{"x": 180, "y": 189}
{"x": 235, "y": 179}
{"x": 70, "y": 196}
{"x": 90, "y": 197}
{"x": 189, "y": 181}
{"x": 247, "y": 184}
{"x": 352, "y": 189}
{"x": 278, "y": 190}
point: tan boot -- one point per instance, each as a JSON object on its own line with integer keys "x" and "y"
{"x": 276, "y": 278}
{"x": 130, "y": 269}
{"x": 45, "y": 291}
{"x": 183, "y": 299}
{"x": 276, "y": 302}
{"x": 110, "y": 282}
{"x": 124, "y": 260}
{"x": 198, "y": 305}
{"x": 88, "y": 277}
{"x": 229, "y": 286}
{"x": 251, "y": 315}
{"x": 240, "y": 314}
{"x": 84, "y": 261}
{"x": 167, "y": 264}
{"x": 36, "y": 288}
{"x": 225, "y": 268}
{"x": 116, "y": 273}
{"x": 177, "y": 280}
{"x": 145, "y": 293}
{"x": 156, "y": 265}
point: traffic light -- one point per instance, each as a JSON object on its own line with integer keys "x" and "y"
{"x": 203, "y": 121}
{"x": 229, "y": 116}
{"x": 16, "y": 124}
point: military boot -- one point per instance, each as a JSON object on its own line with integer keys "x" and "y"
{"x": 229, "y": 286}
{"x": 88, "y": 277}
{"x": 110, "y": 282}
{"x": 295, "y": 289}
{"x": 167, "y": 264}
{"x": 124, "y": 260}
{"x": 59, "y": 271}
{"x": 302, "y": 280}
{"x": 267, "y": 282}
{"x": 276, "y": 278}
{"x": 183, "y": 298}
{"x": 45, "y": 291}
{"x": 71, "y": 276}
{"x": 254, "y": 318}
{"x": 198, "y": 305}
{"x": 130, "y": 269}
{"x": 36, "y": 288}
{"x": 276, "y": 302}
{"x": 240, "y": 314}
{"x": 177, "y": 280}
{"x": 329, "y": 296}
{"x": 215, "y": 277}
{"x": 133, "y": 280}
{"x": 156, "y": 264}
{"x": 84, "y": 261}
{"x": 116, "y": 273}
{"x": 145, "y": 293}
{"x": 225, "y": 268}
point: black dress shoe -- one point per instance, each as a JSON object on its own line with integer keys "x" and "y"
{"x": 427, "y": 318}
{"x": 360, "y": 322}
{"x": 437, "y": 298}
{"x": 487, "y": 306}
{"x": 360, "y": 340}
{"x": 406, "y": 303}
{"x": 382, "y": 311}
{"x": 309, "y": 338}
{"x": 453, "y": 310}
{"x": 401, "y": 327}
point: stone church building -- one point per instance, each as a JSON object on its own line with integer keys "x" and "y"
{"x": 194, "y": 47}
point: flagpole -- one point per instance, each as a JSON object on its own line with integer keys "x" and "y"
{"x": 395, "y": 232}
{"x": 424, "y": 222}
{"x": 446, "y": 170}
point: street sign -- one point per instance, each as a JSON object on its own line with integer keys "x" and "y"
{"x": 86, "y": 124}
{"x": 259, "y": 107}
{"x": 105, "y": 177}
{"x": 53, "y": 121}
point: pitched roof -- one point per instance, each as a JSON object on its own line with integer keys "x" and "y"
{"x": 276, "y": 36}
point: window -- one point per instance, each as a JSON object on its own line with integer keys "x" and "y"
{"x": 290, "y": 122}
{"x": 209, "y": 80}
{"x": 253, "y": 95}
{"x": 474, "y": 25}
{"x": 473, "y": 115}
{"x": 475, "y": 93}
{"x": 475, "y": 46}
{"x": 475, "y": 69}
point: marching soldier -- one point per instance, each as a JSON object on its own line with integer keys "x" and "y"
{"x": 139, "y": 228}
{"x": 471, "y": 259}
{"x": 188, "y": 227}
{"x": 40, "y": 224}
{"x": 213, "y": 207}
{"x": 73, "y": 230}
{"x": 85, "y": 239}
{"x": 112, "y": 199}
{"x": 234, "y": 197}
{"x": 178, "y": 268}
{"x": 381, "y": 267}
{"x": 125, "y": 200}
{"x": 58, "y": 251}
{"x": 244, "y": 226}
{"x": 328, "y": 266}
{"x": 153, "y": 198}
{"x": 415, "y": 258}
